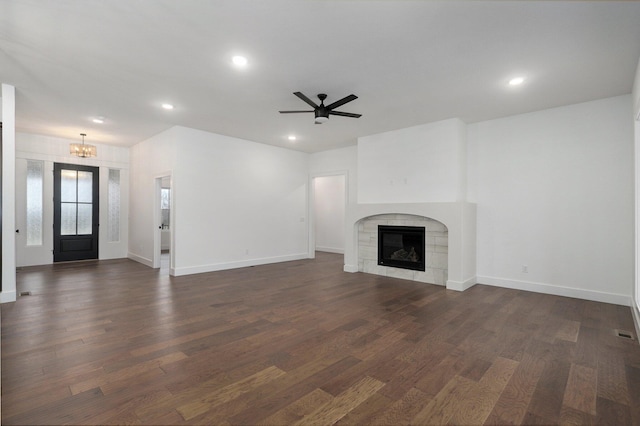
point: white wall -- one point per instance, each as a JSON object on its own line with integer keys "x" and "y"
{"x": 636, "y": 116}
{"x": 52, "y": 150}
{"x": 150, "y": 159}
{"x": 420, "y": 164}
{"x": 636, "y": 304}
{"x": 235, "y": 203}
{"x": 8, "y": 98}
{"x": 554, "y": 193}
{"x": 636, "y": 93}
{"x": 338, "y": 161}
{"x": 329, "y": 208}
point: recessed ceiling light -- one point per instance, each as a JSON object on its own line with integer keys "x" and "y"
{"x": 516, "y": 81}
{"x": 167, "y": 106}
{"x": 98, "y": 120}
{"x": 240, "y": 61}
{"x": 292, "y": 137}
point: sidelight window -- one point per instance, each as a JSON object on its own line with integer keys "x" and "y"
{"x": 113, "y": 232}
{"x": 35, "y": 176}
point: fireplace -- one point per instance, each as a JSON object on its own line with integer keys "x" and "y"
{"x": 402, "y": 247}
{"x": 442, "y": 253}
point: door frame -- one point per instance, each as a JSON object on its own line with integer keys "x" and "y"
{"x": 95, "y": 209}
{"x": 311, "y": 211}
{"x": 157, "y": 222}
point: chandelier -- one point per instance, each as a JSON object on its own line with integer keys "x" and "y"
{"x": 82, "y": 150}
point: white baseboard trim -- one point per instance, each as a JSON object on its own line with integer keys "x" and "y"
{"x": 636, "y": 317}
{"x": 330, "y": 249}
{"x": 461, "y": 285}
{"x": 140, "y": 259}
{"x": 578, "y": 293}
{"x": 189, "y": 270}
{"x": 350, "y": 268}
{"x": 7, "y": 296}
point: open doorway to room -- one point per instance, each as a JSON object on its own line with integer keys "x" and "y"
{"x": 163, "y": 241}
{"x": 329, "y": 208}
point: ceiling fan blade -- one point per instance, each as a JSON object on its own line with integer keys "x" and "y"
{"x": 304, "y": 98}
{"x": 342, "y": 101}
{"x": 290, "y": 112}
{"x": 345, "y": 114}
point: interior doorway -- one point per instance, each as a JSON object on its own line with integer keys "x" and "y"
{"x": 163, "y": 241}
{"x": 329, "y": 209}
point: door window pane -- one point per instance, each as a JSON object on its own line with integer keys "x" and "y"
{"x": 68, "y": 186}
{"x": 165, "y": 206}
{"x": 68, "y": 219}
{"x": 113, "y": 231}
{"x": 35, "y": 175}
{"x": 85, "y": 186}
{"x": 165, "y": 198}
{"x": 85, "y": 212}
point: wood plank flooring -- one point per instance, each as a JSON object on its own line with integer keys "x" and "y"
{"x": 114, "y": 342}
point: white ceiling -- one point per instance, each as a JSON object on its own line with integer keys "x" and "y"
{"x": 409, "y": 62}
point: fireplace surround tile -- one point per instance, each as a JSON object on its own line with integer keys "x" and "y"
{"x": 459, "y": 218}
{"x": 436, "y": 248}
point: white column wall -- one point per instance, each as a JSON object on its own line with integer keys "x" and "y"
{"x": 636, "y": 118}
{"x": 636, "y": 291}
{"x": 8, "y": 293}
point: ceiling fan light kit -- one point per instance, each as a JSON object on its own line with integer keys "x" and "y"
{"x": 322, "y": 111}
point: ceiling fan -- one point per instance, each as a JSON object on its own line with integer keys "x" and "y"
{"x": 323, "y": 112}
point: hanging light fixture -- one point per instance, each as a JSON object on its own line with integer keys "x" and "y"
{"x": 82, "y": 150}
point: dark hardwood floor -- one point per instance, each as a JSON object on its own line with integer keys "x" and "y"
{"x": 114, "y": 342}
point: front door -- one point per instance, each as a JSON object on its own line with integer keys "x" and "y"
{"x": 75, "y": 212}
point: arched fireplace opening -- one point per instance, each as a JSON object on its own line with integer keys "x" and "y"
{"x": 412, "y": 247}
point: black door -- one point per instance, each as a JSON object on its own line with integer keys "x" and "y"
{"x": 75, "y": 215}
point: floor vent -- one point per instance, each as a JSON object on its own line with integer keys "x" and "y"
{"x": 624, "y": 334}
{"x": 25, "y": 293}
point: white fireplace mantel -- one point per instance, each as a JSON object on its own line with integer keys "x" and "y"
{"x": 459, "y": 217}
